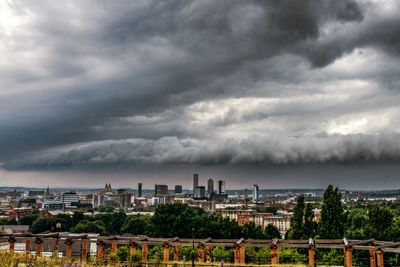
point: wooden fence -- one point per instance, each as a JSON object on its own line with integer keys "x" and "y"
{"x": 78, "y": 246}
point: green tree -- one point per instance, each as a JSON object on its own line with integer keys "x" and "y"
{"x": 65, "y": 220}
{"x": 333, "y": 218}
{"x": 272, "y": 232}
{"x": 7, "y": 221}
{"x": 379, "y": 223}
{"x": 90, "y": 227}
{"x": 292, "y": 255}
{"x": 117, "y": 221}
{"x": 297, "y": 221}
{"x": 309, "y": 226}
{"x": 28, "y": 219}
{"x": 77, "y": 217}
{"x": 172, "y": 220}
{"x": 136, "y": 225}
{"x": 123, "y": 253}
{"x": 43, "y": 224}
{"x": 222, "y": 254}
{"x": 252, "y": 231}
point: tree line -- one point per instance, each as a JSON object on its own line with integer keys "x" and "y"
{"x": 337, "y": 221}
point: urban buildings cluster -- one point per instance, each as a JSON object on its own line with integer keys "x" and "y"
{"x": 242, "y": 205}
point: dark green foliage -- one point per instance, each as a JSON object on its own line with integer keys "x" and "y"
{"x": 270, "y": 209}
{"x": 186, "y": 253}
{"x": 123, "y": 253}
{"x": 43, "y": 224}
{"x": 330, "y": 257}
{"x": 77, "y": 217}
{"x": 156, "y": 253}
{"x": 28, "y": 219}
{"x": 302, "y": 223}
{"x": 137, "y": 225}
{"x": 6, "y": 221}
{"x": 271, "y": 232}
{"x": 65, "y": 220}
{"x": 217, "y": 227}
{"x": 30, "y": 202}
{"x": 296, "y": 223}
{"x": 90, "y": 227}
{"x": 117, "y": 221}
{"x": 310, "y": 226}
{"x": 222, "y": 254}
{"x": 333, "y": 218}
{"x": 252, "y": 231}
{"x": 292, "y": 255}
{"x": 172, "y": 220}
{"x": 258, "y": 255}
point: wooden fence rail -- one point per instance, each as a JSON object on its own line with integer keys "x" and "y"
{"x": 34, "y": 242}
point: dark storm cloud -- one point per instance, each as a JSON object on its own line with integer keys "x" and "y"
{"x": 318, "y": 149}
{"x": 99, "y": 71}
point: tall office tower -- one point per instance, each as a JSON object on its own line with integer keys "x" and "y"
{"x": 200, "y": 192}
{"x": 139, "y": 189}
{"x": 161, "y": 190}
{"x": 210, "y": 186}
{"x": 221, "y": 187}
{"x": 255, "y": 192}
{"x": 125, "y": 200}
{"x": 195, "y": 181}
{"x": 69, "y": 199}
{"x": 178, "y": 189}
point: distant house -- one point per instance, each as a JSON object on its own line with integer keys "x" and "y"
{"x": 14, "y": 229}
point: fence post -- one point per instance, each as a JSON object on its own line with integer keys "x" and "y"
{"x": 176, "y": 252}
{"x": 145, "y": 252}
{"x": 132, "y": 248}
{"x": 372, "y": 257}
{"x": 274, "y": 252}
{"x": 379, "y": 257}
{"x": 114, "y": 247}
{"x": 311, "y": 252}
{"x": 166, "y": 252}
{"x": 68, "y": 251}
{"x": 100, "y": 249}
{"x": 348, "y": 257}
{"x": 208, "y": 252}
{"x": 55, "y": 249}
{"x": 28, "y": 246}
{"x": 200, "y": 252}
{"x": 11, "y": 240}
{"x": 84, "y": 249}
{"x": 38, "y": 246}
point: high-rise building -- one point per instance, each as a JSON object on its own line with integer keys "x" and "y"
{"x": 210, "y": 186}
{"x": 195, "y": 181}
{"x": 178, "y": 189}
{"x": 200, "y": 192}
{"x": 221, "y": 187}
{"x": 140, "y": 189}
{"x": 69, "y": 199}
{"x": 161, "y": 190}
{"x": 255, "y": 192}
{"x": 125, "y": 200}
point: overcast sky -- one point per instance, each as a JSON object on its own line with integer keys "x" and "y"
{"x": 280, "y": 93}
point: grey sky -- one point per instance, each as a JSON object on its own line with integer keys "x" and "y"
{"x": 160, "y": 89}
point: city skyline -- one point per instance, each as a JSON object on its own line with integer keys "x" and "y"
{"x": 280, "y": 94}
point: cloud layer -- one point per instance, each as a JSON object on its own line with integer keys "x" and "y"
{"x": 199, "y": 82}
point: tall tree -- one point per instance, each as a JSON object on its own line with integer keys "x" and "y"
{"x": 296, "y": 223}
{"x": 380, "y": 220}
{"x": 309, "y": 226}
{"x": 333, "y": 218}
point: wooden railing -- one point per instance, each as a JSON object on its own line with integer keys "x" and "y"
{"x": 34, "y": 242}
